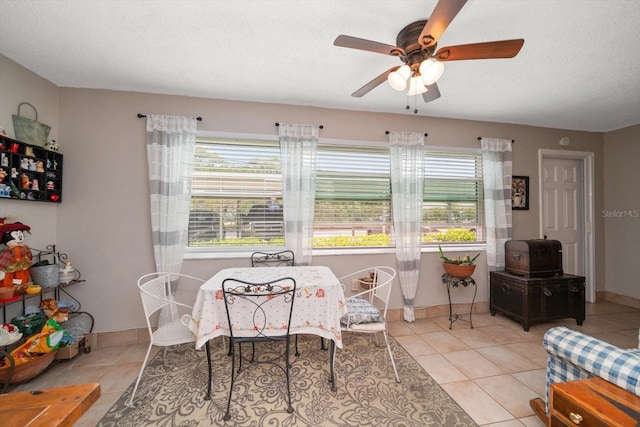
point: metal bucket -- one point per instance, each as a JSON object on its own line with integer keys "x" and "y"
{"x": 45, "y": 275}
{"x": 30, "y": 131}
{"x": 45, "y": 272}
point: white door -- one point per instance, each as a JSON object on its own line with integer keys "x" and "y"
{"x": 562, "y": 210}
{"x": 565, "y": 213}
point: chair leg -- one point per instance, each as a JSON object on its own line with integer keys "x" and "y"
{"x": 287, "y": 365}
{"x": 393, "y": 363}
{"x": 135, "y": 388}
{"x": 208, "y": 351}
{"x": 227, "y": 415}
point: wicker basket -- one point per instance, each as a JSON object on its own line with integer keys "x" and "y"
{"x": 27, "y": 370}
{"x": 459, "y": 271}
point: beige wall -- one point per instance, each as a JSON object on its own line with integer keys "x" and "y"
{"x": 104, "y": 224}
{"x": 621, "y": 211}
{"x": 20, "y": 85}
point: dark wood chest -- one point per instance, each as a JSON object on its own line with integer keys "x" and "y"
{"x": 538, "y": 299}
{"x": 533, "y": 258}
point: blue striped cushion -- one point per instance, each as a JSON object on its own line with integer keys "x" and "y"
{"x": 360, "y": 311}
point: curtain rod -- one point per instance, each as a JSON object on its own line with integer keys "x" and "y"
{"x": 386, "y": 132}
{"x": 512, "y": 141}
{"x": 144, "y": 115}
{"x": 321, "y": 126}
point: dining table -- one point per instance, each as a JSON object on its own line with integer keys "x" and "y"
{"x": 318, "y": 305}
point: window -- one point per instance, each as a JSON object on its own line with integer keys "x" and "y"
{"x": 237, "y": 196}
{"x": 353, "y": 197}
{"x": 453, "y": 198}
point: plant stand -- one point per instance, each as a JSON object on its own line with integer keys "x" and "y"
{"x": 451, "y": 281}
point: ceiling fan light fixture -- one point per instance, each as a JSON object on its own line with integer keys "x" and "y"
{"x": 398, "y": 79}
{"x": 431, "y": 70}
{"x": 416, "y": 86}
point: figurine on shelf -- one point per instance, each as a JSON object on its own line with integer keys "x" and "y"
{"x": 29, "y": 151}
{"x": 5, "y": 160}
{"x": 67, "y": 273}
{"x": 24, "y": 163}
{"x": 25, "y": 181}
{"x": 39, "y": 166}
{"x": 54, "y": 311}
{"x": 35, "y": 186}
{"x": 15, "y": 261}
{"x": 32, "y": 165}
{"x": 50, "y": 185}
{"x": 14, "y": 173}
{"x": 52, "y": 145}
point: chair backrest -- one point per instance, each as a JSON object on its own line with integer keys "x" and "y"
{"x": 273, "y": 259}
{"x": 261, "y": 311}
{"x": 380, "y": 288}
{"x": 156, "y": 293}
{"x": 381, "y": 291}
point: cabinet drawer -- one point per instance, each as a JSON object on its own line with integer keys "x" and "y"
{"x": 570, "y": 413}
{"x": 592, "y": 402}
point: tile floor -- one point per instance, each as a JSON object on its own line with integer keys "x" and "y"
{"x": 492, "y": 370}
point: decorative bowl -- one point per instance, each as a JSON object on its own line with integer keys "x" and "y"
{"x": 6, "y": 292}
{"x": 27, "y": 370}
{"x": 459, "y": 271}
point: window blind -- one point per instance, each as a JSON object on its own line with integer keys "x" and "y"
{"x": 353, "y": 196}
{"x": 236, "y": 194}
{"x": 453, "y": 195}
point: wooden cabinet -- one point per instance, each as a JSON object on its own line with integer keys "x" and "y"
{"x": 534, "y": 300}
{"x": 29, "y": 172}
{"x": 593, "y": 402}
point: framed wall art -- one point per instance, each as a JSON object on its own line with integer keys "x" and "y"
{"x": 520, "y": 193}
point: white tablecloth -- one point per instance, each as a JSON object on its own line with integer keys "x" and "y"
{"x": 318, "y": 306}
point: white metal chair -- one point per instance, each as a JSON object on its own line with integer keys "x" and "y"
{"x": 362, "y": 316}
{"x": 156, "y": 294}
{"x": 252, "y": 310}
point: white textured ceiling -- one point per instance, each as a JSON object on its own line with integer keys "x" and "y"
{"x": 579, "y": 67}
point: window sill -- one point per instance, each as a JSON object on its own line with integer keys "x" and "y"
{"x": 203, "y": 253}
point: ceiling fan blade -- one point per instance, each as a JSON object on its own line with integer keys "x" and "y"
{"x": 441, "y": 17}
{"x": 488, "y": 50}
{"x": 368, "y": 45}
{"x": 373, "y": 83}
{"x": 432, "y": 93}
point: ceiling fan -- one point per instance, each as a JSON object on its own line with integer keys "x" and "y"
{"x": 416, "y": 47}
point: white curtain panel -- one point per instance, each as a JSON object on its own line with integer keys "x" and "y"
{"x": 170, "y": 151}
{"x": 497, "y": 167}
{"x": 298, "y": 148}
{"x": 407, "y": 186}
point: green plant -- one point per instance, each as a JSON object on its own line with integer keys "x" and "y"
{"x": 464, "y": 261}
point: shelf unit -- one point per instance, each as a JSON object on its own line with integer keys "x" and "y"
{"x": 55, "y": 290}
{"x": 29, "y": 172}
{"x": 50, "y": 292}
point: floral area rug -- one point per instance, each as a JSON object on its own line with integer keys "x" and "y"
{"x": 173, "y": 387}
